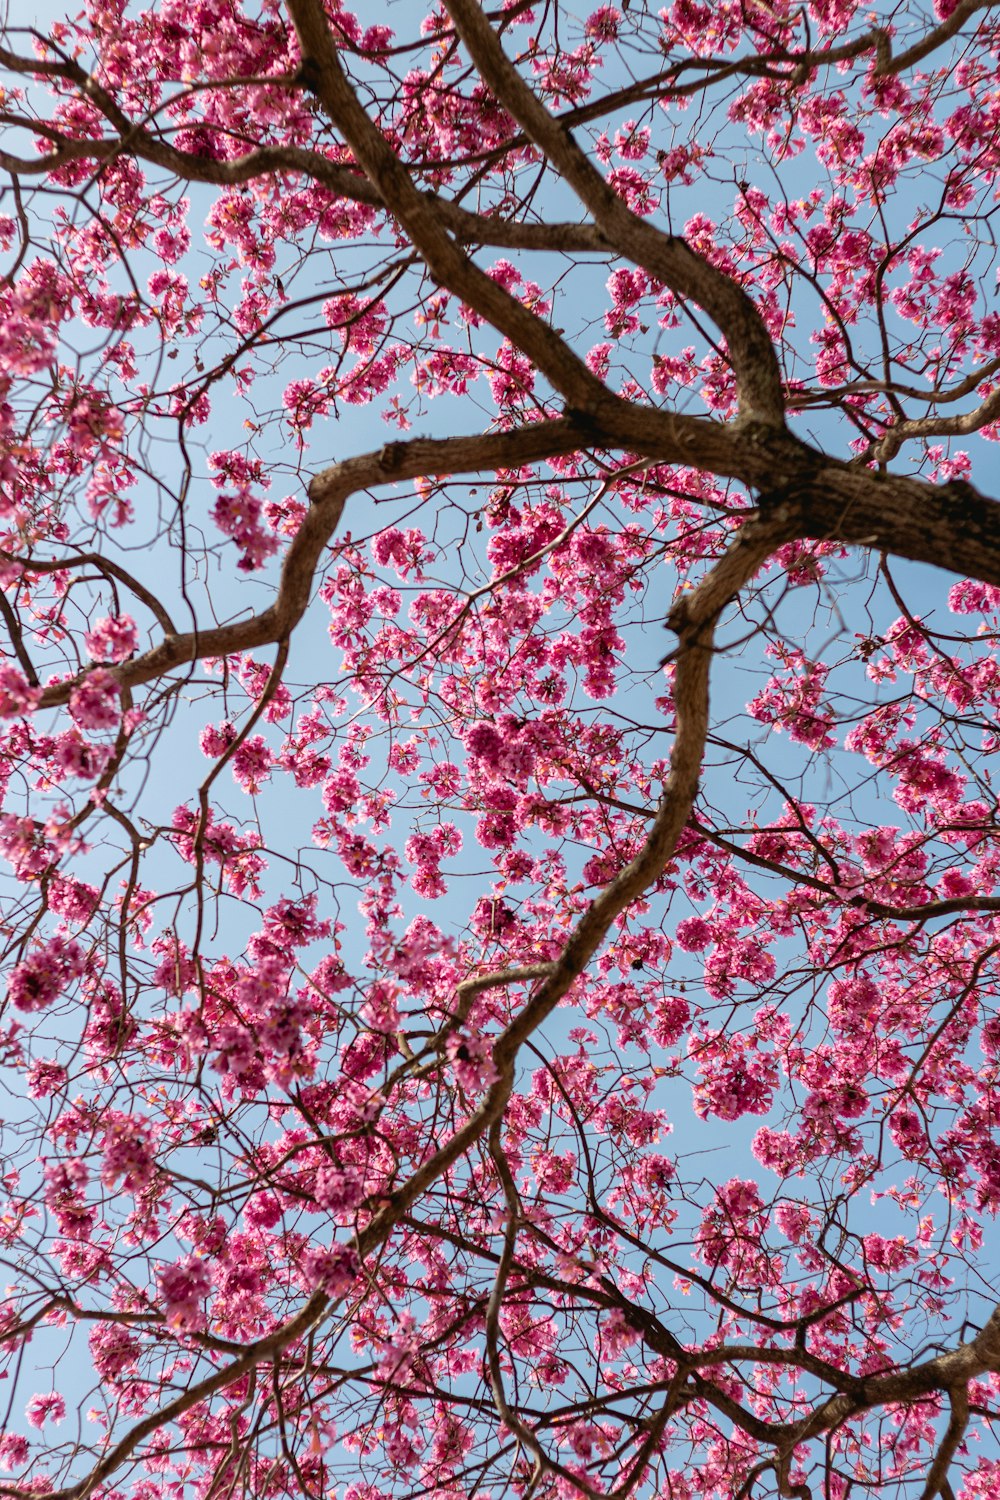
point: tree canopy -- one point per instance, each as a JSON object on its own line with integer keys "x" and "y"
{"x": 500, "y": 602}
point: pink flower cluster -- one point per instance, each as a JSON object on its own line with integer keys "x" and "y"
{"x": 95, "y": 702}
{"x": 65, "y": 1195}
{"x": 38, "y": 980}
{"x": 49, "y": 1408}
{"x": 183, "y": 1287}
{"x": 113, "y": 638}
{"x": 16, "y": 696}
{"x": 129, "y": 1151}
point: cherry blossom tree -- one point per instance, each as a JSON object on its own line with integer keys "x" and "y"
{"x": 501, "y": 664}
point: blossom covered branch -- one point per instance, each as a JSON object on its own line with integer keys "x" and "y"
{"x": 485, "y": 1045}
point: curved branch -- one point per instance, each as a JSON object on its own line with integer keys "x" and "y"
{"x": 937, "y": 1478}
{"x": 667, "y": 257}
{"x": 465, "y": 226}
{"x": 922, "y": 911}
{"x": 447, "y": 262}
{"x": 103, "y": 565}
{"x": 818, "y": 396}
{"x": 693, "y": 618}
{"x": 986, "y": 412}
{"x": 931, "y": 41}
{"x": 328, "y": 493}
{"x": 258, "y": 1353}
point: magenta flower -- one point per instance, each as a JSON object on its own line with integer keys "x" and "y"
{"x": 42, "y": 1409}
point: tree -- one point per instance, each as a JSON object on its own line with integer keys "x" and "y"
{"x": 317, "y": 1187}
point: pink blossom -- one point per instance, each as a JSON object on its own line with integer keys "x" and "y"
{"x": 332, "y": 1270}
{"x": 112, "y": 639}
{"x": 216, "y": 741}
{"x": 632, "y": 141}
{"x": 45, "y": 1078}
{"x": 128, "y": 1148}
{"x": 39, "y": 980}
{"x": 95, "y": 703}
{"x": 15, "y": 1450}
{"x": 73, "y": 899}
{"x": 183, "y": 1286}
{"x": 737, "y": 1078}
{"x": 262, "y": 1211}
{"x": 338, "y": 1190}
{"x": 793, "y": 1219}
{"x": 251, "y": 763}
{"x": 887, "y": 1255}
{"x": 405, "y": 551}
{"x": 240, "y": 516}
{"x": 42, "y": 1409}
{"x": 426, "y": 851}
{"x": 16, "y": 696}
{"x": 114, "y": 1350}
{"x": 74, "y": 756}
{"x": 472, "y": 1062}
{"x": 65, "y": 1195}
{"x": 694, "y": 934}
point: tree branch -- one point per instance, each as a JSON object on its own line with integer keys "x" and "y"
{"x": 666, "y": 257}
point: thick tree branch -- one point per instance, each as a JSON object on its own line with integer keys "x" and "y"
{"x": 986, "y": 412}
{"x": 950, "y": 526}
{"x": 447, "y": 262}
{"x": 666, "y": 257}
{"x": 951, "y": 26}
{"x": 328, "y": 493}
